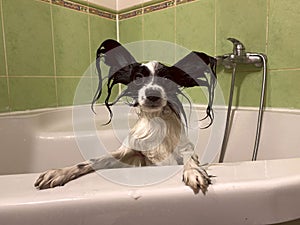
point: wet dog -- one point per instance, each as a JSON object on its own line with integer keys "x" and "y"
{"x": 159, "y": 135}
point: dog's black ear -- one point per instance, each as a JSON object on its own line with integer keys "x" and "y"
{"x": 197, "y": 69}
{"x": 115, "y": 55}
{"x": 193, "y": 70}
{"x": 119, "y": 60}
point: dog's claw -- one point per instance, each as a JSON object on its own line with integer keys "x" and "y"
{"x": 197, "y": 179}
{"x": 50, "y": 179}
{"x": 59, "y": 177}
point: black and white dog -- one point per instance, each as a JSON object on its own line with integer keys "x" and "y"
{"x": 159, "y": 135}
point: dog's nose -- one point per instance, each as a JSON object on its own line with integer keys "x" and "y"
{"x": 153, "y": 95}
{"x": 153, "y": 98}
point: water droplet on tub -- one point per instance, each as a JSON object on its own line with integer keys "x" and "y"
{"x": 135, "y": 194}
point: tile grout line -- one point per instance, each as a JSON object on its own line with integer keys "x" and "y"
{"x": 143, "y": 29}
{"x": 285, "y": 69}
{"x": 267, "y": 26}
{"x": 53, "y": 51}
{"x": 89, "y": 35}
{"x": 46, "y": 76}
{"x": 79, "y": 76}
{"x": 175, "y": 30}
{"x": 90, "y": 51}
{"x": 5, "y": 56}
{"x": 118, "y": 36}
{"x": 117, "y": 22}
{"x": 215, "y": 28}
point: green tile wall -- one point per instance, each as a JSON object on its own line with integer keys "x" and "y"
{"x": 28, "y": 38}
{"x": 32, "y": 92}
{"x": 164, "y": 23}
{"x": 4, "y": 102}
{"x": 71, "y": 38}
{"x": 49, "y": 47}
{"x": 269, "y": 26}
{"x": 131, "y": 29}
{"x": 46, "y": 49}
{"x": 195, "y": 26}
{"x": 284, "y": 33}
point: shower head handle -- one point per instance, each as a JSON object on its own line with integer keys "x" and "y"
{"x": 238, "y": 47}
{"x": 240, "y": 56}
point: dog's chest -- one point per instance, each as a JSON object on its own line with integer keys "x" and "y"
{"x": 156, "y": 138}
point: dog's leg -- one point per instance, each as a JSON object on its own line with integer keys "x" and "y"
{"x": 195, "y": 176}
{"x": 119, "y": 159}
{"x": 58, "y": 177}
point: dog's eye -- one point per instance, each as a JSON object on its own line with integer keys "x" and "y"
{"x": 138, "y": 79}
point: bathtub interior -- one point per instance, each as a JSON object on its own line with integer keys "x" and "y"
{"x": 34, "y": 141}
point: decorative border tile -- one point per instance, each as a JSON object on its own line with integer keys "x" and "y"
{"x": 113, "y": 15}
{"x": 71, "y": 5}
{"x": 131, "y": 14}
{"x": 82, "y": 8}
{"x": 147, "y": 9}
{"x": 159, "y": 6}
{"x": 101, "y": 13}
{"x": 178, "y": 2}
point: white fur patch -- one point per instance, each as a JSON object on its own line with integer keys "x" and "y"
{"x": 152, "y": 65}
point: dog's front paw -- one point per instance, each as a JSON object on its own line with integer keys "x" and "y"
{"x": 197, "y": 179}
{"x": 52, "y": 178}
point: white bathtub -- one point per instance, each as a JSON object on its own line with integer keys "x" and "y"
{"x": 263, "y": 192}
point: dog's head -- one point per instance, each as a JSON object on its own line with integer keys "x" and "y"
{"x": 153, "y": 85}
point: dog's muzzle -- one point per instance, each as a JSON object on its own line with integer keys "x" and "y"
{"x": 152, "y": 98}
{"x": 153, "y": 95}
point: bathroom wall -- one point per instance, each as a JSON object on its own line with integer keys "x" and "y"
{"x": 45, "y": 48}
{"x": 267, "y": 26}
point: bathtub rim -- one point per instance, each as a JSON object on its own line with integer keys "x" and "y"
{"x": 33, "y": 112}
{"x": 276, "y": 192}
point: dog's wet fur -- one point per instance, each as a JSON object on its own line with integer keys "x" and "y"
{"x": 159, "y": 135}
